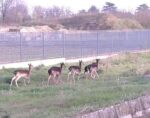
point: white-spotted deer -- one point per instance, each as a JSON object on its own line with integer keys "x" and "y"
{"x": 21, "y": 74}
{"x": 75, "y": 70}
{"x": 55, "y": 72}
{"x": 92, "y": 69}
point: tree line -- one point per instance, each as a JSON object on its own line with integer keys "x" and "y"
{"x": 17, "y": 12}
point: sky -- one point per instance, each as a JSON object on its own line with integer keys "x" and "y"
{"x": 76, "y": 5}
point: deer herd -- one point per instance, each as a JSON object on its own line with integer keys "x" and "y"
{"x": 90, "y": 71}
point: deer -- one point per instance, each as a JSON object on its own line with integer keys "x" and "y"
{"x": 55, "y": 72}
{"x": 74, "y": 70}
{"x": 92, "y": 69}
{"x": 22, "y": 74}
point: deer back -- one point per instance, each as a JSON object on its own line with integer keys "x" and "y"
{"x": 53, "y": 70}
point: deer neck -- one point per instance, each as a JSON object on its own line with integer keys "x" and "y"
{"x": 80, "y": 65}
{"x": 97, "y": 62}
{"x": 30, "y": 71}
{"x": 61, "y": 66}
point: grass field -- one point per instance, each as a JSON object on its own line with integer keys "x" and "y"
{"x": 122, "y": 81}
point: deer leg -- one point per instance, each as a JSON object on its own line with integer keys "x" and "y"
{"x": 87, "y": 75}
{"x": 60, "y": 79}
{"x": 68, "y": 76}
{"x": 78, "y": 76}
{"x": 97, "y": 75}
{"x": 12, "y": 81}
{"x": 92, "y": 75}
{"x": 73, "y": 78}
{"x": 48, "y": 79}
{"x": 57, "y": 79}
{"x": 16, "y": 80}
{"x": 54, "y": 78}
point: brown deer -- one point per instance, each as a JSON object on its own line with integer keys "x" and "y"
{"x": 21, "y": 74}
{"x": 75, "y": 70}
{"x": 92, "y": 69}
{"x": 55, "y": 72}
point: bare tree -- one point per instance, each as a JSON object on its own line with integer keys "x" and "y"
{"x": 5, "y": 5}
{"x": 67, "y": 12}
{"x": 17, "y": 14}
{"x": 38, "y": 13}
{"x": 83, "y": 11}
{"x": 57, "y": 12}
{"x": 124, "y": 14}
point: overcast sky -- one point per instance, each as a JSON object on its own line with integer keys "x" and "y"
{"x": 75, "y": 5}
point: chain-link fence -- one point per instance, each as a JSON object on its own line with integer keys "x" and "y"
{"x": 16, "y": 47}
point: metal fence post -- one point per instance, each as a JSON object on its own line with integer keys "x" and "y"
{"x": 63, "y": 39}
{"x": 43, "y": 45}
{"x": 97, "y": 43}
{"x": 112, "y": 45}
{"x": 148, "y": 39}
{"x": 81, "y": 53}
{"x": 126, "y": 37}
{"x": 20, "y": 46}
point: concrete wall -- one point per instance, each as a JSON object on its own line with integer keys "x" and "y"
{"x": 137, "y": 108}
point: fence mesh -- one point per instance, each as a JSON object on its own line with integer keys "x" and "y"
{"x": 16, "y": 47}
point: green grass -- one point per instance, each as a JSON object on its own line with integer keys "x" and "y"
{"x": 122, "y": 81}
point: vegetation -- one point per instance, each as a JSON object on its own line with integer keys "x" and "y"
{"x": 123, "y": 80}
{"x": 99, "y": 22}
{"x": 110, "y": 17}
